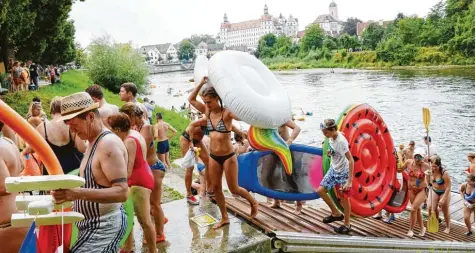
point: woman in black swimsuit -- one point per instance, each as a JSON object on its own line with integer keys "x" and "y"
{"x": 218, "y": 122}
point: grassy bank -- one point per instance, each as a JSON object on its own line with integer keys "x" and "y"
{"x": 363, "y": 60}
{"x": 76, "y": 81}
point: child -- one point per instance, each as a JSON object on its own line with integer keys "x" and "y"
{"x": 340, "y": 173}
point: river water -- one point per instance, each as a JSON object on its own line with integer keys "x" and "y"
{"x": 398, "y": 96}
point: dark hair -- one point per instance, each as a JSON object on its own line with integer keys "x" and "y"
{"x": 329, "y": 124}
{"x": 211, "y": 92}
{"x": 158, "y": 115}
{"x": 427, "y": 138}
{"x": 22, "y": 64}
{"x": 1, "y": 125}
{"x": 84, "y": 114}
{"x": 437, "y": 161}
{"x": 471, "y": 177}
{"x": 411, "y": 143}
{"x": 131, "y": 109}
{"x": 238, "y": 138}
{"x": 471, "y": 154}
{"x": 95, "y": 91}
{"x": 36, "y": 99}
{"x": 146, "y": 99}
{"x": 130, "y": 87}
{"x": 119, "y": 121}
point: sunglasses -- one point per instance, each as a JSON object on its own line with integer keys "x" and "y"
{"x": 419, "y": 157}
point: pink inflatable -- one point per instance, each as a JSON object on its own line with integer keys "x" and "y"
{"x": 316, "y": 173}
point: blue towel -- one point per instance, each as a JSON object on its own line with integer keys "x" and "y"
{"x": 29, "y": 244}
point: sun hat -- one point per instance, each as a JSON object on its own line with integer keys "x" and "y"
{"x": 75, "y": 104}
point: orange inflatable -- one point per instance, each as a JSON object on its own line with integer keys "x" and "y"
{"x": 31, "y": 136}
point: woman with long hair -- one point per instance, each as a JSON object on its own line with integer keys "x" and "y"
{"x": 139, "y": 177}
{"x": 441, "y": 187}
{"x": 142, "y": 125}
{"x": 218, "y": 122}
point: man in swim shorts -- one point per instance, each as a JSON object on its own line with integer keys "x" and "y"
{"x": 340, "y": 173}
{"x": 161, "y": 130}
{"x": 10, "y": 166}
{"x": 105, "y": 109}
{"x": 104, "y": 169}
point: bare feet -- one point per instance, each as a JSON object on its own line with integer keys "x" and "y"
{"x": 410, "y": 233}
{"x": 423, "y": 231}
{"x": 254, "y": 210}
{"x": 447, "y": 230}
{"x": 275, "y": 204}
{"x": 222, "y": 222}
{"x": 298, "y": 210}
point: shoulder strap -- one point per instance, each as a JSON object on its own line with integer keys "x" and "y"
{"x": 46, "y": 135}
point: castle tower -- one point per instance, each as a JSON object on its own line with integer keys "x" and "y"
{"x": 225, "y": 19}
{"x": 333, "y": 10}
{"x": 266, "y": 9}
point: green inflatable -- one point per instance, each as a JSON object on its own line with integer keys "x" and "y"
{"x": 128, "y": 207}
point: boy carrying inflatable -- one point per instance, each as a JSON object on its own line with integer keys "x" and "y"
{"x": 340, "y": 173}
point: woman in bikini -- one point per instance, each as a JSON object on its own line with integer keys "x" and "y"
{"x": 139, "y": 178}
{"x": 467, "y": 194}
{"x": 218, "y": 122}
{"x": 143, "y": 126}
{"x": 441, "y": 186}
{"x": 417, "y": 186}
{"x": 470, "y": 169}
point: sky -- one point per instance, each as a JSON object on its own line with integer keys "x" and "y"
{"x": 147, "y": 22}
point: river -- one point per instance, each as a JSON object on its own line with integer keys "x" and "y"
{"x": 397, "y": 95}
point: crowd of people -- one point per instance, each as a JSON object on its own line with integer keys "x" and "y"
{"x": 23, "y": 76}
{"x": 115, "y": 153}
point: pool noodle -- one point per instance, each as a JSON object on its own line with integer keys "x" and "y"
{"x": 270, "y": 140}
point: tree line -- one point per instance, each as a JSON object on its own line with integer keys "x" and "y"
{"x": 446, "y": 35}
{"x": 37, "y": 30}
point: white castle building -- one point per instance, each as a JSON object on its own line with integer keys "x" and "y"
{"x": 249, "y": 32}
{"x": 330, "y": 23}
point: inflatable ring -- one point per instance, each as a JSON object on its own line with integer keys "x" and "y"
{"x": 249, "y": 89}
{"x": 200, "y": 70}
{"x": 371, "y": 145}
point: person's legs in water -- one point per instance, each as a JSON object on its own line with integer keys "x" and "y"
{"x": 156, "y": 207}
{"x": 231, "y": 174}
{"x": 216, "y": 174}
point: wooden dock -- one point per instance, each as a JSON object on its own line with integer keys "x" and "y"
{"x": 310, "y": 221}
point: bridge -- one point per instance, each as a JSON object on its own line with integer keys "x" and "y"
{"x": 170, "y": 67}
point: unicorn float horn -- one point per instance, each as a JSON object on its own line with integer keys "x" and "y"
{"x": 269, "y": 140}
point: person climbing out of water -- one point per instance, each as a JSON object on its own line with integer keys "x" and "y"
{"x": 470, "y": 169}
{"x": 417, "y": 187}
{"x": 161, "y": 130}
{"x": 105, "y": 172}
{"x": 10, "y": 166}
{"x": 105, "y": 109}
{"x": 467, "y": 194}
{"x": 218, "y": 122}
{"x": 139, "y": 178}
{"x": 341, "y": 172}
{"x": 284, "y": 133}
{"x": 158, "y": 168}
{"x": 441, "y": 186}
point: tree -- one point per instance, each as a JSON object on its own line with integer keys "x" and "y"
{"x": 348, "y": 42}
{"x": 186, "y": 50}
{"x": 61, "y": 50}
{"x": 330, "y": 43}
{"x": 283, "y": 46}
{"x": 266, "y": 46}
{"x": 461, "y": 15}
{"x": 313, "y": 38}
{"x": 111, "y": 64}
{"x": 409, "y": 29}
{"x": 195, "y": 39}
{"x": 350, "y": 26}
{"x": 437, "y": 29}
{"x": 169, "y": 57}
{"x": 372, "y": 36}
{"x": 81, "y": 56}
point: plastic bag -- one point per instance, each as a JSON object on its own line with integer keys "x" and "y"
{"x": 189, "y": 160}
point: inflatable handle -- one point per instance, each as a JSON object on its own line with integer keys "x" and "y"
{"x": 32, "y": 137}
{"x": 403, "y": 206}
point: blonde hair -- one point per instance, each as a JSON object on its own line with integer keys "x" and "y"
{"x": 55, "y": 105}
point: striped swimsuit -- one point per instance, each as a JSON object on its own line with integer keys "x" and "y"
{"x": 97, "y": 233}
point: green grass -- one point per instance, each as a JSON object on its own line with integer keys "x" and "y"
{"x": 169, "y": 194}
{"x": 76, "y": 81}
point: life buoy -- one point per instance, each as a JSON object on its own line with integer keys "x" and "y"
{"x": 200, "y": 70}
{"x": 371, "y": 146}
{"x": 249, "y": 89}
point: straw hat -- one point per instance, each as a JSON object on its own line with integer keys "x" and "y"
{"x": 75, "y": 104}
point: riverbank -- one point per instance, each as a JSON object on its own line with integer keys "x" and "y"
{"x": 362, "y": 60}
{"x": 76, "y": 81}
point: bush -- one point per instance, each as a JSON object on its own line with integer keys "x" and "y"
{"x": 111, "y": 64}
{"x": 431, "y": 55}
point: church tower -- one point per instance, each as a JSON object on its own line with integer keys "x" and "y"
{"x": 266, "y": 9}
{"x": 333, "y": 10}
{"x": 225, "y": 19}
